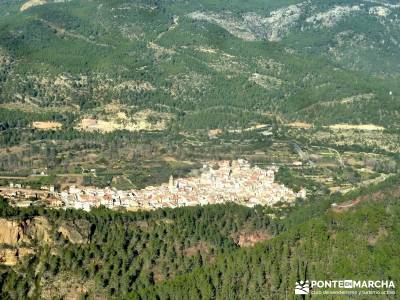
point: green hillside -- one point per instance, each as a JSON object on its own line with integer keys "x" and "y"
{"x": 195, "y": 253}
{"x": 360, "y": 243}
{"x": 130, "y": 84}
{"x": 124, "y": 94}
{"x": 296, "y": 59}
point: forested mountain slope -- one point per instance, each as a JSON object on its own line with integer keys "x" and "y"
{"x": 195, "y": 253}
{"x": 139, "y": 90}
{"x": 359, "y": 243}
{"x": 315, "y": 61}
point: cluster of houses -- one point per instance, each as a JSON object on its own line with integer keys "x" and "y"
{"x": 220, "y": 182}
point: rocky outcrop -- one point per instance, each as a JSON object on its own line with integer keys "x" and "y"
{"x": 68, "y": 286}
{"x": 76, "y": 232}
{"x": 32, "y": 3}
{"x": 251, "y": 26}
{"x": 17, "y": 232}
{"x": 228, "y": 21}
{"x": 277, "y": 24}
{"x": 11, "y": 256}
{"x": 249, "y": 239}
{"x": 331, "y": 17}
{"x": 17, "y": 237}
{"x": 8, "y": 257}
{"x": 39, "y": 229}
{"x": 11, "y": 232}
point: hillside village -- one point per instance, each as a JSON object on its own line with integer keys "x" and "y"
{"x": 220, "y": 182}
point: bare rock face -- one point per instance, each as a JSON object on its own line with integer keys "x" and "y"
{"x": 76, "y": 232}
{"x": 11, "y": 232}
{"x": 17, "y": 235}
{"x": 68, "y": 286}
{"x": 11, "y": 256}
{"x": 8, "y": 257}
{"x": 11, "y": 237}
{"x": 14, "y": 232}
{"x": 251, "y": 238}
{"x": 39, "y": 229}
{"x": 32, "y": 3}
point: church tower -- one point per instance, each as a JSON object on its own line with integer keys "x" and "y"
{"x": 171, "y": 183}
